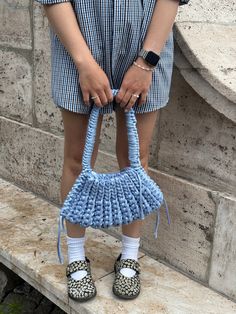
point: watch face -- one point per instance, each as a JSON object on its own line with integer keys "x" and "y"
{"x": 152, "y": 58}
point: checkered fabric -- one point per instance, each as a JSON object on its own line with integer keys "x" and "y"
{"x": 114, "y": 30}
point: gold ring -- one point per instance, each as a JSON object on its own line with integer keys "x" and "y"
{"x": 93, "y": 97}
{"x": 135, "y": 95}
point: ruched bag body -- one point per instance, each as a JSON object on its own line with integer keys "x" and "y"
{"x": 101, "y": 200}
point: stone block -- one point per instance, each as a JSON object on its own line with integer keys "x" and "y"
{"x": 47, "y": 116}
{"x": 195, "y": 141}
{"x": 15, "y": 24}
{"x": 31, "y": 158}
{"x": 203, "y": 52}
{"x": 16, "y": 85}
{"x": 223, "y": 262}
{"x": 186, "y": 243}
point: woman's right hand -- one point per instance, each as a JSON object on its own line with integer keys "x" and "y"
{"x": 94, "y": 82}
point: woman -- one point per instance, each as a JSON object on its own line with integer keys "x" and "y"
{"x": 98, "y": 46}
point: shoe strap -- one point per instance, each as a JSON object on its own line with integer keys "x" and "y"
{"x": 77, "y": 265}
{"x": 128, "y": 263}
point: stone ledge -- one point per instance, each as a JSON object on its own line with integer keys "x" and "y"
{"x": 203, "y": 87}
{"x": 205, "y": 33}
{"x": 212, "y": 55}
{"x": 31, "y": 253}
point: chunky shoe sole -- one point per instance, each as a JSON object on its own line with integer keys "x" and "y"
{"x": 83, "y": 299}
{"x": 126, "y": 297}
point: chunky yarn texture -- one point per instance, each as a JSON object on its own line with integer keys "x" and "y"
{"x": 101, "y": 200}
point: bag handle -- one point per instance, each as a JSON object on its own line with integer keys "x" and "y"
{"x": 133, "y": 140}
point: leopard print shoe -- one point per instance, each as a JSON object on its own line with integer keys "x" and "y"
{"x": 126, "y": 287}
{"x": 82, "y": 289}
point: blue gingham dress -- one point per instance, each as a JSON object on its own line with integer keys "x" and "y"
{"x": 114, "y": 31}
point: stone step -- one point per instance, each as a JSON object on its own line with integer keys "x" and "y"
{"x": 28, "y": 234}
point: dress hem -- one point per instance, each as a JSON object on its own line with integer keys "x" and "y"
{"x": 108, "y": 110}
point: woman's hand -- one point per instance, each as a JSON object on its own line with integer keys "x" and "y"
{"x": 136, "y": 81}
{"x": 94, "y": 82}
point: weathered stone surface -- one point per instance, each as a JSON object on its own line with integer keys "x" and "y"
{"x": 223, "y": 262}
{"x": 163, "y": 291}
{"x": 205, "y": 32}
{"x": 185, "y": 243}
{"x": 15, "y": 86}
{"x": 195, "y": 141}
{"x": 202, "y": 52}
{"x": 219, "y": 11}
{"x": 47, "y": 116}
{"x": 202, "y": 87}
{"x": 36, "y": 262}
{"x": 33, "y": 154}
{"x": 40, "y": 163}
{"x": 15, "y": 24}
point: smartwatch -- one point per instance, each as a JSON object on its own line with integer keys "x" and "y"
{"x": 149, "y": 56}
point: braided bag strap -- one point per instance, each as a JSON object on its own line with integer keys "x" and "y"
{"x": 133, "y": 140}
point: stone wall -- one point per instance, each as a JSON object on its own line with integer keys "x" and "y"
{"x": 192, "y": 154}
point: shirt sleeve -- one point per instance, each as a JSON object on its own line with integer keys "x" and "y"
{"x": 182, "y": 2}
{"x": 51, "y": 1}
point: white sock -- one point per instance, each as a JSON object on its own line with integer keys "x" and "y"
{"x": 130, "y": 247}
{"x": 76, "y": 252}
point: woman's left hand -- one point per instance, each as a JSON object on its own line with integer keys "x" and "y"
{"x": 136, "y": 81}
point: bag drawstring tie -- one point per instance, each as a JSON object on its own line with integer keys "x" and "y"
{"x": 158, "y": 209}
{"x": 158, "y": 217}
{"x": 61, "y": 227}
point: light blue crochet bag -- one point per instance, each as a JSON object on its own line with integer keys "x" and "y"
{"x": 101, "y": 200}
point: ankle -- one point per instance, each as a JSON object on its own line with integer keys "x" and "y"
{"x": 76, "y": 252}
{"x": 130, "y": 247}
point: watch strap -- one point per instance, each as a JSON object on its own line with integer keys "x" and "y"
{"x": 143, "y": 53}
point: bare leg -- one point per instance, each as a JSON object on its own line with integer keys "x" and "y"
{"x": 75, "y": 128}
{"x": 145, "y": 126}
